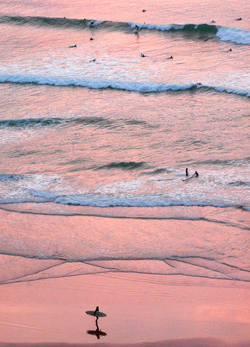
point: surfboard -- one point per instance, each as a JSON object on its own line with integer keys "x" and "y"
{"x": 189, "y": 178}
{"x": 97, "y": 314}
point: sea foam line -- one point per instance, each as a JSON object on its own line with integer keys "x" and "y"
{"x": 234, "y": 35}
{"x": 118, "y": 85}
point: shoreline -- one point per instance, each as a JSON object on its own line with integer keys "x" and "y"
{"x": 142, "y": 310}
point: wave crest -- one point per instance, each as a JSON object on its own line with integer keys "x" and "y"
{"x": 131, "y": 165}
{"x": 29, "y": 122}
{"x": 118, "y": 85}
{"x": 223, "y": 33}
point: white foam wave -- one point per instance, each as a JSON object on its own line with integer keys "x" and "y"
{"x": 118, "y": 85}
{"x": 224, "y": 33}
{"x": 234, "y": 35}
{"x": 108, "y": 200}
{"x": 156, "y": 26}
{"x": 94, "y": 84}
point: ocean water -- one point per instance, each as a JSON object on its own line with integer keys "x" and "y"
{"x": 98, "y": 123}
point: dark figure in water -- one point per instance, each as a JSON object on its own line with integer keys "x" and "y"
{"x": 95, "y": 313}
{"x": 196, "y": 174}
{"x": 187, "y": 172}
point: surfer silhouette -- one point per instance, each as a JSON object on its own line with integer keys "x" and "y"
{"x": 136, "y": 31}
{"x": 187, "y": 172}
{"x": 95, "y": 313}
{"x": 196, "y": 174}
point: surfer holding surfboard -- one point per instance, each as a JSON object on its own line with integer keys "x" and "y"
{"x": 96, "y": 313}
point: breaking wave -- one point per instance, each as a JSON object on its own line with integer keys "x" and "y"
{"x": 29, "y": 122}
{"x": 139, "y": 87}
{"x": 223, "y": 33}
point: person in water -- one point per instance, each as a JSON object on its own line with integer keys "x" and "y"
{"x": 196, "y": 174}
{"x": 187, "y": 172}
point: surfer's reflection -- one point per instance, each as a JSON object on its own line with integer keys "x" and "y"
{"x": 98, "y": 333}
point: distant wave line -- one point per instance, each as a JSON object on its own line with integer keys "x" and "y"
{"x": 223, "y": 33}
{"x": 24, "y": 123}
{"x": 116, "y": 85}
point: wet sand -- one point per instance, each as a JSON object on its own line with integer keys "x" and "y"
{"x": 142, "y": 310}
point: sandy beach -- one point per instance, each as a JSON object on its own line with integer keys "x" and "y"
{"x": 45, "y": 292}
{"x": 142, "y": 310}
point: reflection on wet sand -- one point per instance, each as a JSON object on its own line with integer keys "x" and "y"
{"x": 98, "y": 333}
